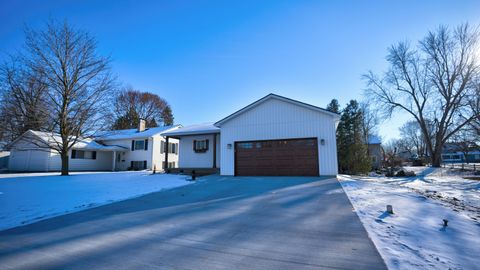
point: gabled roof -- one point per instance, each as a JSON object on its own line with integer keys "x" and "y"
{"x": 205, "y": 128}
{"x": 278, "y": 97}
{"x": 49, "y": 140}
{"x": 125, "y": 134}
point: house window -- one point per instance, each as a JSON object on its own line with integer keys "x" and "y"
{"x": 162, "y": 147}
{"x": 173, "y": 148}
{"x": 170, "y": 165}
{"x": 139, "y": 145}
{"x": 138, "y": 165}
{"x": 80, "y": 154}
{"x": 200, "y": 146}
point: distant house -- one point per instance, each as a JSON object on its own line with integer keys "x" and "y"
{"x": 375, "y": 151}
{"x": 274, "y": 135}
{"x": 116, "y": 150}
{"x": 455, "y": 153}
{"x": 4, "y": 156}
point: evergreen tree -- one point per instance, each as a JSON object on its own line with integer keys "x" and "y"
{"x": 333, "y": 106}
{"x": 352, "y": 152}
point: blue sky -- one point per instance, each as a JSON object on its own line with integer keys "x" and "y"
{"x": 210, "y": 58}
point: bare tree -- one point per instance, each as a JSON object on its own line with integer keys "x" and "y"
{"x": 370, "y": 122}
{"x": 131, "y": 105}
{"x": 22, "y": 104}
{"x": 413, "y": 139}
{"x": 434, "y": 83}
{"x": 78, "y": 82}
{"x": 475, "y": 124}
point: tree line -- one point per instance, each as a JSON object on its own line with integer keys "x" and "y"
{"x": 61, "y": 85}
{"x": 436, "y": 82}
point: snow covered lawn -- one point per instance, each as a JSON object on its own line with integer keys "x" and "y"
{"x": 414, "y": 236}
{"x": 26, "y": 198}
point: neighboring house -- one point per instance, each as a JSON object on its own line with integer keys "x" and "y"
{"x": 4, "y": 156}
{"x": 110, "y": 150}
{"x": 454, "y": 153}
{"x": 272, "y": 136}
{"x": 375, "y": 151}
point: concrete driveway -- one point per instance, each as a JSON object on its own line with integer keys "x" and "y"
{"x": 216, "y": 223}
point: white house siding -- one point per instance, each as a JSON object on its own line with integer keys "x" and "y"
{"x": 190, "y": 159}
{"x": 152, "y": 155}
{"x": 159, "y": 157}
{"x": 128, "y": 155}
{"x": 276, "y": 119}
{"x": 103, "y": 162}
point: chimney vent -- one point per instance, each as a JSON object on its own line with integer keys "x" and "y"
{"x": 141, "y": 125}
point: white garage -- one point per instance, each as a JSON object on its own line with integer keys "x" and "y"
{"x": 274, "y": 135}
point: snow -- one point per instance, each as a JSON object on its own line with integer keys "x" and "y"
{"x": 414, "y": 236}
{"x": 204, "y": 128}
{"x": 48, "y": 139}
{"x": 133, "y": 133}
{"x": 29, "y": 197}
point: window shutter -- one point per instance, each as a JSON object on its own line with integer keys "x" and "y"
{"x": 162, "y": 146}
{"x": 131, "y": 164}
{"x": 94, "y": 155}
{"x": 133, "y": 145}
{"x": 74, "y": 153}
{"x": 194, "y": 145}
{"x": 206, "y": 145}
{"x": 144, "y": 164}
{"x": 146, "y": 144}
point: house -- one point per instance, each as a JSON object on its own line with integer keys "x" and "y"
{"x": 460, "y": 153}
{"x": 375, "y": 151}
{"x": 4, "y": 156}
{"x": 141, "y": 148}
{"x": 274, "y": 135}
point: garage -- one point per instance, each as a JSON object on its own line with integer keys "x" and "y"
{"x": 28, "y": 160}
{"x": 287, "y": 157}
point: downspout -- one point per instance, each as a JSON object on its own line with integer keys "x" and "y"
{"x": 166, "y": 154}
{"x": 214, "y": 150}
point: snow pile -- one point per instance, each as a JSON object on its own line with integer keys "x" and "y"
{"x": 414, "y": 236}
{"x": 26, "y": 198}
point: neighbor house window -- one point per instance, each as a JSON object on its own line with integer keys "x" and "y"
{"x": 139, "y": 145}
{"x": 172, "y": 147}
{"x": 171, "y": 165}
{"x": 80, "y": 154}
{"x": 162, "y": 147}
{"x": 200, "y": 146}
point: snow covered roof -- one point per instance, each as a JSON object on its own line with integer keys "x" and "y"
{"x": 278, "y": 97}
{"x": 48, "y": 139}
{"x": 205, "y": 128}
{"x": 133, "y": 133}
{"x": 374, "y": 139}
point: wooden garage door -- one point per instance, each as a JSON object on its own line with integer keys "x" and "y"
{"x": 292, "y": 157}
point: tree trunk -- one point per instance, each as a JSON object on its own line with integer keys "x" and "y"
{"x": 64, "y": 156}
{"x": 437, "y": 158}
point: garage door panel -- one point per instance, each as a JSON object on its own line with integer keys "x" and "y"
{"x": 277, "y": 157}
